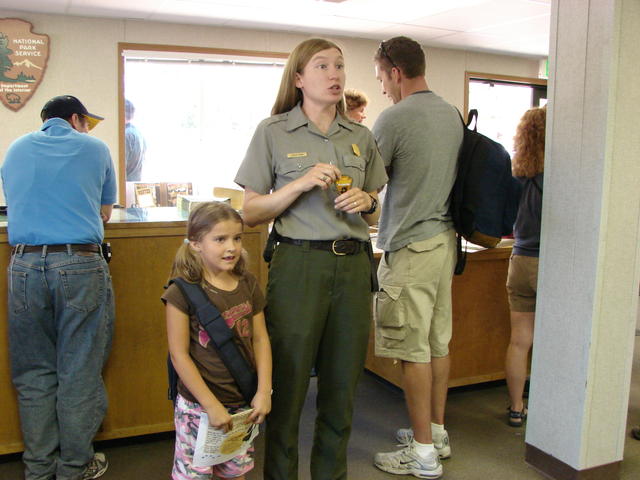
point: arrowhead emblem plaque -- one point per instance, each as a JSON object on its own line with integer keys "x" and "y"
{"x": 23, "y": 61}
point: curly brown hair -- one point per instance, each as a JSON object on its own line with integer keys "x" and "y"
{"x": 528, "y": 143}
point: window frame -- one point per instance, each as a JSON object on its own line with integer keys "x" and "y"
{"x": 492, "y": 77}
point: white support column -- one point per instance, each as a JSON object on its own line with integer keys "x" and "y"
{"x": 590, "y": 245}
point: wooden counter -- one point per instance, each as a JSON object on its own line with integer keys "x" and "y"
{"x": 143, "y": 242}
{"x": 480, "y": 323}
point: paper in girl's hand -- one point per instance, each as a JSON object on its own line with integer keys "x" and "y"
{"x": 213, "y": 446}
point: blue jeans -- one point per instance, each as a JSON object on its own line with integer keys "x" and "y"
{"x": 61, "y": 313}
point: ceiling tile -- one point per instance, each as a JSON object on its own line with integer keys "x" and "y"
{"x": 192, "y": 19}
{"x": 113, "y": 8}
{"x": 483, "y": 15}
{"x": 42, "y": 6}
{"x": 398, "y": 11}
{"x": 492, "y": 43}
{"x": 342, "y": 24}
{"x": 498, "y": 25}
{"x": 539, "y": 25}
{"x": 420, "y": 34}
{"x": 261, "y": 14}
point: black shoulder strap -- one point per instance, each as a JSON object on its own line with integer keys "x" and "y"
{"x": 535, "y": 184}
{"x": 222, "y": 337}
{"x": 272, "y": 241}
{"x": 461, "y": 256}
{"x": 473, "y": 115}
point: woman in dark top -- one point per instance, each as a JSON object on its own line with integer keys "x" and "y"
{"x": 522, "y": 279}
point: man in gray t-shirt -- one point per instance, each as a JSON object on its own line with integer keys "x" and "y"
{"x": 419, "y": 138}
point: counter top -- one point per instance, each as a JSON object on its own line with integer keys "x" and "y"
{"x": 133, "y": 216}
{"x": 146, "y": 217}
{"x": 173, "y": 217}
{"x": 143, "y": 215}
{"x": 126, "y": 221}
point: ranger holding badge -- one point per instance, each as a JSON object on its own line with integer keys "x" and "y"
{"x": 319, "y": 291}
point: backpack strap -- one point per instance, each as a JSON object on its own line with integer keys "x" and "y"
{"x": 461, "y": 256}
{"x": 473, "y": 116}
{"x": 172, "y": 375}
{"x": 272, "y": 241}
{"x": 535, "y": 184}
{"x": 222, "y": 337}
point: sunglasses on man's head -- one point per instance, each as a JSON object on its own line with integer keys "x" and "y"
{"x": 385, "y": 53}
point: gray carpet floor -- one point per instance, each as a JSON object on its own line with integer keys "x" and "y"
{"x": 483, "y": 445}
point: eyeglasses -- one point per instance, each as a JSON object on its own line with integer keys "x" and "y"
{"x": 384, "y": 53}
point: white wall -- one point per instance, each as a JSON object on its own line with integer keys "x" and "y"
{"x": 83, "y": 62}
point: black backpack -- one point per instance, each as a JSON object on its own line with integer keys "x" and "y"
{"x": 222, "y": 338}
{"x": 485, "y": 196}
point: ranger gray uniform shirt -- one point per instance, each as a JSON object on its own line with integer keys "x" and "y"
{"x": 284, "y": 148}
{"x": 419, "y": 139}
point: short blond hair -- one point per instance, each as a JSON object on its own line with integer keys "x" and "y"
{"x": 355, "y": 99}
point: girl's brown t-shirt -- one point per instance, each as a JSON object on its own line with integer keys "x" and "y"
{"x": 237, "y": 308}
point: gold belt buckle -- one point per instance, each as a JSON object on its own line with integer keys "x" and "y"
{"x": 333, "y": 249}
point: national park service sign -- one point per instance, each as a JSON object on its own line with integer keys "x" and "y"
{"x": 23, "y": 61}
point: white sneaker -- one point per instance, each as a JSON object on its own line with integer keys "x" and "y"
{"x": 404, "y": 436}
{"x": 407, "y": 461}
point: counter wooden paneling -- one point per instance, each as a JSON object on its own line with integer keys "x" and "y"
{"x": 480, "y": 323}
{"x": 10, "y": 437}
{"x": 143, "y": 244}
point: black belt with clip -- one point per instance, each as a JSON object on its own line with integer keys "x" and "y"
{"x": 337, "y": 247}
{"x": 44, "y": 249}
{"x": 104, "y": 249}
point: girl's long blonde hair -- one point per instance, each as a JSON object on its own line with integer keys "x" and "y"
{"x": 528, "y": 143}
{"x": 289, "y": 95}
{"x": 187, "y": 263}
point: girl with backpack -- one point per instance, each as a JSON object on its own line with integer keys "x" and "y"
{"x": 212, "y": 256}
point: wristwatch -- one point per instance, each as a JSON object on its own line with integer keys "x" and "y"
{"x": 374, "y": 206}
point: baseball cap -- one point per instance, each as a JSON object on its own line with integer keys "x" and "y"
{"x": 64, "y": 106}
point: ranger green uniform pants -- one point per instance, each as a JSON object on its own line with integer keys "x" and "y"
{"x": 318, "y": 314}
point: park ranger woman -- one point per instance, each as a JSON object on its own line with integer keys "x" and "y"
{"x": 316, "y": 175}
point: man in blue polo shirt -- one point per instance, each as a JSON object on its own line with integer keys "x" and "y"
{"x": 60, "y": 187}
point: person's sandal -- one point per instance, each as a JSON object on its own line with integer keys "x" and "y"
{"x": 516, "y": 419}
